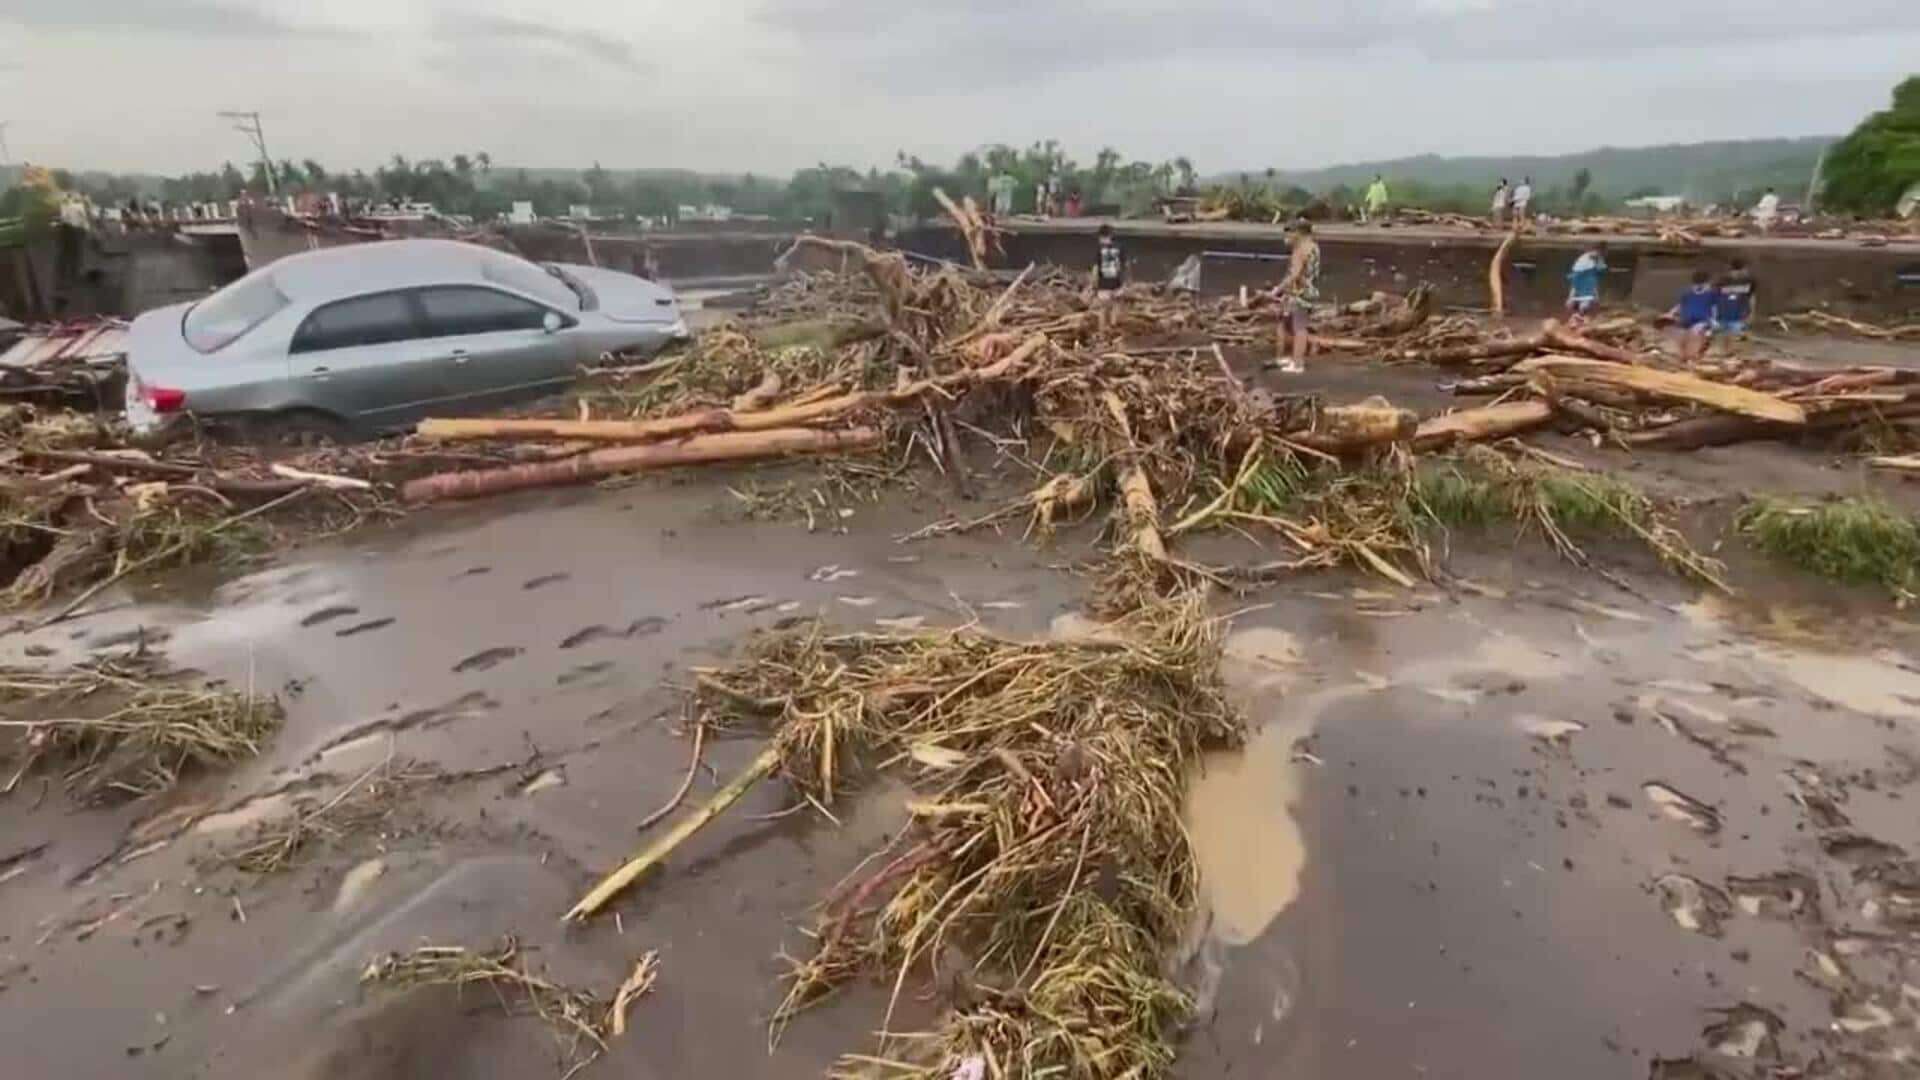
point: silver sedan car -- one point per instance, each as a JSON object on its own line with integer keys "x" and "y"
{"x": 371, "y": 337}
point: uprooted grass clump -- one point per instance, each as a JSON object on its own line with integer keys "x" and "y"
{"x": 1046, "y": 852}
{"x": 579, "y": 1019}
{"x": 1372, "y": 517}
{"x": 1857, "y": 540}
{"x": 127, "y": 730}
{"x": 363, "y": 806}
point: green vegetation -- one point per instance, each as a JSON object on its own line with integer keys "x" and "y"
{"x": 1868, "y": 171}
{"x": 1859, "y": 540}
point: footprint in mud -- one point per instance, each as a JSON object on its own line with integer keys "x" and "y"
{"x": 1747, "y": 1032}
{"x": 328, "y": 614}
{"x": 544, "y": 580}
{"x": 584, "y": 671}
{"x": 473, "y": 571}
{"x": 363, "y": 627}
{"x": 752, "y": 601}
{"x": 1783, "y": 895}
{"x": 1692, "y": 904}
{"x": 549, "y": 778}
{"x": 1682, "y": 807}
{"x": 465, "y": 707}
{"x": 645, "y": 627}
{"x": 1859, "y": 849}
{"x": 487, "y": 658}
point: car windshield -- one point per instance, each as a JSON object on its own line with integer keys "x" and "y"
{"x": 523, "y": 276}
{"x": 220, "y": 319}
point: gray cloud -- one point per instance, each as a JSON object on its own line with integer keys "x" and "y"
{"x": 497, "y": 31}
{"x": 187, "y": 17}
{"x": 933, "y": 45}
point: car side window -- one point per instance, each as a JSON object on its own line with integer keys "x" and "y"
{"x": 363, "y": 320}
{"x": 455, "y": 310}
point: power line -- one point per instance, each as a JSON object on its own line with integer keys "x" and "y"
{"x": 248, "y": 124}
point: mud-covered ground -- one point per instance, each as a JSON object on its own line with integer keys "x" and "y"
{"x": 1526, "y": 823}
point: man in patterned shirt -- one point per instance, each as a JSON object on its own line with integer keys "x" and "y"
{"x": 1297, "y": 292}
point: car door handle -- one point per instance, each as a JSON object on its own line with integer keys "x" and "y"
{"x": 459, "y": 356}
{"x": 319, "y": 374}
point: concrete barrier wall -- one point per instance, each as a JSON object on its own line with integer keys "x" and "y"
{"x": 1880, "y": 283}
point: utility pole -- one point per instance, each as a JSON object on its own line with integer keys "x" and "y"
{"x": 248, "y": 124}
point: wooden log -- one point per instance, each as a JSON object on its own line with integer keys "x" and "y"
{"x": 1486, "y": 422}
{"x": 1564, "y": 338}
{"x": 1909, "y": 463}
{"x": 1460, "y": 355}
{"x": 1497, "y": 273}
{"x": 1346, "y": 428}
{"x": 697, "y": 449}
{"x": 1669, "y": 385}
{"x": 1702, "y": 431}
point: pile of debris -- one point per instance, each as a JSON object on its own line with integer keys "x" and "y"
{"x": 1046, "y": 871}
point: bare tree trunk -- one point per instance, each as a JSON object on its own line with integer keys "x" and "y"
{"x": 698, "y": 449}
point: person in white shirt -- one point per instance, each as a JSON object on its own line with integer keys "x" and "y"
{"x": 1500, "y": 202}
{"x": 1522, "y": 196}
{"x": 1767, "y": 211}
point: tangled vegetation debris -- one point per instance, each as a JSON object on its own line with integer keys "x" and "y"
{"x": 126, "y": 729}
{"x": 1047, "y": 860}
{"x": 364, "y": 805}
{"x": 1858, "y": 540}
{"x": 580, "y": 1020}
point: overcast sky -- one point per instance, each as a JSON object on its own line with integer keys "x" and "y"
{"x": 769, "y": 85}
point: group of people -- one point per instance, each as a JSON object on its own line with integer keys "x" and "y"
{"x": 1512, "y": 203}
{"x": 1297, "y": 292}
{"x": 1713, "y": 306}
{"x": 1048, "y": 200}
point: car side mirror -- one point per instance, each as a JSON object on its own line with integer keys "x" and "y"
{"x": 552, "y": 323}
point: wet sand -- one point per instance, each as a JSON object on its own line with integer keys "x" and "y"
{"x": 1510, "y": 828}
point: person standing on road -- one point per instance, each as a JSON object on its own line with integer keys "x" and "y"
{"x": 1767, "y": 211}
{"x": 1583, "y": 294}
{"x": 1297, "y": 292}
{"x": 1109, "y": 266}
{"x": 1375, "y": 203}
{"x": 1500, "y": 202}
{"x": 1000, "y": 194}
{"x": 1522, "y": 198}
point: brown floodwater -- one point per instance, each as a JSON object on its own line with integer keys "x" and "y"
{"x": 1530, "y": 825}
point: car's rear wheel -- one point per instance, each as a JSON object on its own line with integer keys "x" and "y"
{"x": 301, "y": 429}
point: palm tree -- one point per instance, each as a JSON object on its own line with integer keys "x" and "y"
{"x": 485, "y": 161}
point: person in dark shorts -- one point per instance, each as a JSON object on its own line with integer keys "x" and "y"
{"x": 1733, "y": 315}
{"x": 1694, "y": 316}
{"x": 1109, "y": 266}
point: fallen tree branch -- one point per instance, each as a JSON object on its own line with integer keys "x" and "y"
{"x": 1486, "y": 422}
{"x": 697, "y": 449}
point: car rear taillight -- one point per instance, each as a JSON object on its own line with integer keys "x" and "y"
{"x": 163, "y": 399}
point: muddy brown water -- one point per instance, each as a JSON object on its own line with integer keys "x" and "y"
{"x": 1442, "y": 852}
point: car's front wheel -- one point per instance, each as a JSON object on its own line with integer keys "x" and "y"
{"x": 300, "y": 428}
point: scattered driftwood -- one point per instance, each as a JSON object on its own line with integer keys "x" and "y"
{"x": 1345, "y": 429}
{"x": 1909, "y": 463}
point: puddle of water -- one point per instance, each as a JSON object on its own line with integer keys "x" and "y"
{"x": 1245, "y": 839}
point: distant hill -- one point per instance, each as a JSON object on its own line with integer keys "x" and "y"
{"x": 1705, "y": 172}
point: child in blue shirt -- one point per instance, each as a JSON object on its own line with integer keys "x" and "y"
{"x": 1694, "y": 315}
{"x": 1584, "y": 281}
